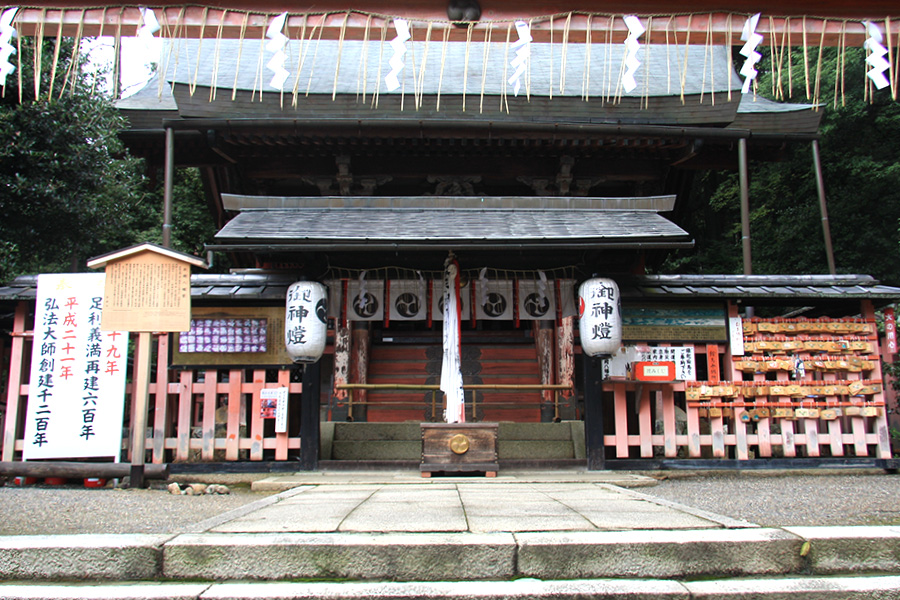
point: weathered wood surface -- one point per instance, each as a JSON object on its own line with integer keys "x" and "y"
{"x": 78, "y": 470}
{"x": 479, "y": 454}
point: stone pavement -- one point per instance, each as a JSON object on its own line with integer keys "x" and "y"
{"x": 520, "y": 535}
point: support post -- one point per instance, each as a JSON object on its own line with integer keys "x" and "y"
{"x": 593, "y": 413}
{"x": 337, "y": 406}
{"x": 745, "y": 205}
{"x": 309, "y": 417}
{"x": 139, "y": 401}
{"x": 360, "y": 340}
{"x": 544, "y": 335}
{"x": 168, "y": 188}
{"x": 13, "y": 398}
{"x": 823, "y": 208}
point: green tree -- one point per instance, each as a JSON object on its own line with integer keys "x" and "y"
{"x": 860, "y": 146}
{"x": 192, "y": 223}
{"x": 68, "y": 189}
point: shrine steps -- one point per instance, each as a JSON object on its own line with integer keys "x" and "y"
{"x": 808, "y": 588}
{"x": 799, "y": 563}
{"x": 517, "y": 442}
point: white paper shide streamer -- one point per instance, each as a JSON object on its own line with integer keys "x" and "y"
{"x": 875, "y": 58}
{"x": 277, "y": 42}
{"x": 392, "y": 79}
{"x": 149, "y": 27}
{"x": 451, "y": 371}
{"x": 748, "y": 51}
{"x": 632, "y": 47}
{"x": 522, "y": 47}
{"x": 7, "y": 32}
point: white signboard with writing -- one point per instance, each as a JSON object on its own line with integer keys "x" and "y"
{"x": 620, "y": 363}
{"x": 76, "y": 396}
{"x": 279, "y": 398}
{"x": 736, "y": 335}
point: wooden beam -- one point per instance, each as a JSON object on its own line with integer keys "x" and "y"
{"x": 834, "y": 23}
{"x": 78, "y": 470}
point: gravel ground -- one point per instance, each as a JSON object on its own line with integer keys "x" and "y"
{"x": 39, "y": 509}
{"x": 785, "y": 499}
{"x": 767, "y": 498}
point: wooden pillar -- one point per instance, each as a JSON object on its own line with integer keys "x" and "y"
{"x": 337, "y": 410}
{"x": 593, "y": 413}
{"x": 745, "y": 205}
{"x": 14, "y": 383}
{"x": 359, "y": 366}
{"x": 139, "y": 402}
{"x": 565, "y": 365}
{"x": 543, "y": 341}
{"x": 823, "y": 208}
{"x": 168, "y": 188}
{"x": 309, "y": 417}
{"x": 161, "y": 417}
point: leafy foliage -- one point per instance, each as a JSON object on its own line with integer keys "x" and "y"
{"x": 860, "y": 143}
{"x": 68, "y": 188}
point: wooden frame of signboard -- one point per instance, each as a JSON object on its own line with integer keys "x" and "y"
{"x": 274, "y": 356}
{"x": 148, "y": 288}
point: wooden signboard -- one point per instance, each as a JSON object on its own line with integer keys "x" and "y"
{"x": 190, "y": 351}
{"x": 148, "y": 292}
{"x": 148, "y": 288}
{"x": 657, "y": 322}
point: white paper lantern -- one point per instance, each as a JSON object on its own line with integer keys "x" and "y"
{"x": 600, "y": 317}
{"x": 305, "y": 321}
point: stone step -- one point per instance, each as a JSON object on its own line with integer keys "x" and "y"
{"x": 377, "y": 431}
{"x": 402, "y": 441}
{"x": 788, "y": 588}
{"x": 535, "y": 431}
{"x": 534, "y": 449}
{"x": 563, "y": 555}
{"x": 376, "y": 450}
{"x": 412, "y": 450}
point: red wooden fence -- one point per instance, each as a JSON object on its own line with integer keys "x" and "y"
{"x": 201, "y": 415}
{"x": 214, "y": 414}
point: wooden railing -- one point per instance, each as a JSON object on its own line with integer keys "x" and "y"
{"x": 473, "y": 402}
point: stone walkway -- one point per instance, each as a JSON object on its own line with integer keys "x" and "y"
{"x": 469, "y": 506}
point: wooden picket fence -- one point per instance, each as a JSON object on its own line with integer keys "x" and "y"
{"x": 850, "y": 413}
{"x": 184, "y": 420}
{"x": 183, "y": 424}
{"x": 214, "y": 414}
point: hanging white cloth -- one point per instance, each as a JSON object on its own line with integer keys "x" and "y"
{"x": 451, "y": 374}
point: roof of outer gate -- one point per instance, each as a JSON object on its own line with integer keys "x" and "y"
{"x": 676, "y": 85}
{"x": 344, "y": 229}
{"x": 341, "y": 224}
{"x": 843, "y": 290}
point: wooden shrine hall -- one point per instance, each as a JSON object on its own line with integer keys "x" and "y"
{"x": 533, "y": 181}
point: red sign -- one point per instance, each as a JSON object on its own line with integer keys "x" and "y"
{"x": 654, "y": 371}
{"x": 890, "y": 330}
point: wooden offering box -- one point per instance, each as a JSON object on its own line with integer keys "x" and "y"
{"x": 459, "y": 447}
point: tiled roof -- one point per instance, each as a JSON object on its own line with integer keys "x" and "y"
{"x": 329, "y": 66}
{"x": 273, "y": 286}
{"x": 834, "y": 287}
{"x": 450, "y": 228}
